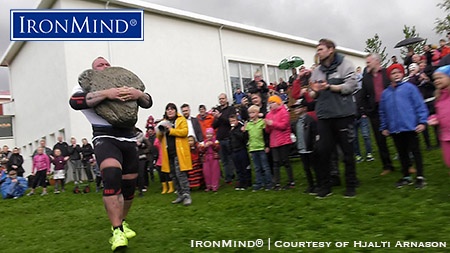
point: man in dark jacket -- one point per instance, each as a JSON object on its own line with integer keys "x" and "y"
{"x": 332, "y": 84}
{"x": 374, "y": 81}
{"x": 62, "y": 145}
{"x": 222, "y": 125}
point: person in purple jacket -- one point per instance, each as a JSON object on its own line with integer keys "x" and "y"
{"x": 40, "y": 170}
{"x": 279, "y": 129}
{"x": 59, "y": 174}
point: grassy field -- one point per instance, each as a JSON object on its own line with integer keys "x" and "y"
{"x": 380, "y": 213}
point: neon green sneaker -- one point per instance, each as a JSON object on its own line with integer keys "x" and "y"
{"x": 118, "y": 240}
{"x": 129, "y": 233}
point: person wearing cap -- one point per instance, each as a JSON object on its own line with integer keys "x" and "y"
{"x": 403, "y": 114}
{"x": 332, "y": 84}
{"x": 374, "y": 81}
{"x": 442, "y": 82}
{"x": 307, "y": 134}
{"x": 279, "y": 130}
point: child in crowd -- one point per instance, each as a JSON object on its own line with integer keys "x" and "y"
{"x": 442, "y": 117}
{"x": 59, "y": 175}
{"x": 283, "y": 95}
{"x": 307, "y": 135}
{"x": 209, "y": 150}
{"x": 195, "y": 175}
{"x": 164, "y": 178}
{"x": 238, "y": 143}
{"x": 258, "y": 146}
{"x": 279, "y": 130}
{"x": 403, "y": 114}
{"x": 40, "y": 169}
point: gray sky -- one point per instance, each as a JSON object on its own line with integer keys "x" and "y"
{"x": 348, "y": 22}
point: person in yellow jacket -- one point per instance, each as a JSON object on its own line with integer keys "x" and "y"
{"x": 172, "y": 132}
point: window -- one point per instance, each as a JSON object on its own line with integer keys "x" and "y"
{"x": 275, "y": 74}
{"x": 241, "y": 73}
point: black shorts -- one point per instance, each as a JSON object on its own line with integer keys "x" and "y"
{"x": 123, "y": 151}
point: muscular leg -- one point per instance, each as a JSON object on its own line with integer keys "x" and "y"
{"x": 114, "y": 204}
{"x": 128, "y": 203}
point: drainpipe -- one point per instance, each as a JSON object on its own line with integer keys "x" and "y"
{"x": 224, "y": 66}
{"x": 109, "y": 42}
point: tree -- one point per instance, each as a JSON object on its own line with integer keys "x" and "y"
{"x": 410, "y": 32}
{"x": 443, "y": 25}
{"x": 375, "y": 45}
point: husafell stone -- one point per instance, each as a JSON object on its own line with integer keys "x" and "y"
{"x": 117, "y": 113}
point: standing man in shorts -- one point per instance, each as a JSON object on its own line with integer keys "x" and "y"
{"x": 115, "y": 151}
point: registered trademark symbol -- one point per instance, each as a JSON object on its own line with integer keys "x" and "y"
{"x": 133, "y": 22}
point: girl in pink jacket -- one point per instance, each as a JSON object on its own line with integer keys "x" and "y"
{"x": 279, "y": 129}
{"x": 40, "y": 170}
{"x": 442, "y": 117}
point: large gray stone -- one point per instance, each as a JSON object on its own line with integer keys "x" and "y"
{"x": 117, "y": 113}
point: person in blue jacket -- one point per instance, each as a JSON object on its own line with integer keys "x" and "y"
{"x": 403, "y": 114}
{"x": 13, "y": 186}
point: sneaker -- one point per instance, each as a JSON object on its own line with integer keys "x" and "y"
{"x": 129, "y": 233}
{"x": 323, "y": 193}
{"x": 178, "y": 200}
{"x": 350, "y": 193}
{"x": 56, "y": 192}
{"x": 144, "y": 189}
{"x": 290, "y": 185}
{"x": 30, "y": 193}
{"x": 311, "y": 190}
{"x": 118, "y": 240}
{"x": 257, "y": 188}
{"x": 44, "y": 193}
{"x": 187, "y": 201}
{"x": 277, "y": 187}
{"x": 403, "y": 181}
{"x": 369, "y": 157}
{"x": 420, "y": 183}
{"x": 359, "y": 158}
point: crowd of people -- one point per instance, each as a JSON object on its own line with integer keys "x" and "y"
{"x": 315, "y": 115}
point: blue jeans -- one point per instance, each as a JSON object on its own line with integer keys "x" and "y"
{"x": 363, "y": 124}
{"x": 262, "y": 169}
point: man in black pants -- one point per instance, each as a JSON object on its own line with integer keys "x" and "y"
{"x": 115, "y": 152}
{"x": 374, "y": 81}
{"x": 332, "y": 84}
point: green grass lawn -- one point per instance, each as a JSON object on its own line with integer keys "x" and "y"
{"x": 380, "y": 213}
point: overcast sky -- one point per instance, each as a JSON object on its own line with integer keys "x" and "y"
{"x": 348, "y": 22}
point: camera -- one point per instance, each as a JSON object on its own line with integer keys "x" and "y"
{"x": 162, "y": 126}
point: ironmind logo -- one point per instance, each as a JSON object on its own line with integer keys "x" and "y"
{"x": 102, "y": 25}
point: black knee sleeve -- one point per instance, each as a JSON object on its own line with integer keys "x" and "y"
{"x": 112, "y": 181}
{"x": 128, "y": 188}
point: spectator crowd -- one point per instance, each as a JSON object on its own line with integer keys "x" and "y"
{"x": 316, "y": 115}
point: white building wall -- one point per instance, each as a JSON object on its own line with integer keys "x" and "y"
{"x": 180, "y": 61}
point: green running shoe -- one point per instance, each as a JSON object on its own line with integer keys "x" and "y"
{"x": 118, "y": 240}
{"x": 129, "y": 233}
